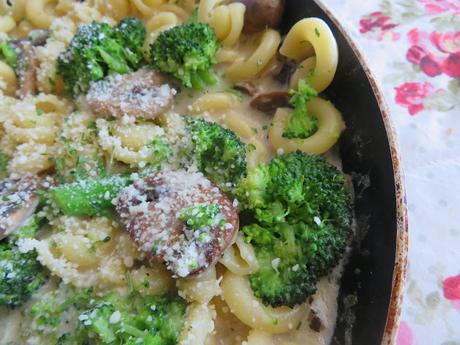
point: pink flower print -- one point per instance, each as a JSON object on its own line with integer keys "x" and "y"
{"x": 435, "y": 53}
{"x": 405, "y": 336}
{"x": 451, "y": 290}
{"x": 446, "y": 42}
{"x": 378, "y": 26}
{"x": 430, "y": 65}
{"x": 411, "y": 96}
{"x": 434, "y": 7}
{"x": 451, "y": 65}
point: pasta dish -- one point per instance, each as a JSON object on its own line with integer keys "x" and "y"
{"x": 168, "y": 174}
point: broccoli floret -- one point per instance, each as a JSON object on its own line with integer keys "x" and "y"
{"x": 150, "y": 320}
{"x": 201, "y": 216}
{"x": 300, "y": 124}
{"x": 20, "y": 273}
{"x": 9, "y": 54}
{"x": 4, "y": 159}
{"x": 98, "y": 50}
{"x": 160, "y": 151}
{"x": 69, "y": 316}
{"x": 88, "y": 197}
{"x": 219, "y": 153}
{"x": 299, "y": 222}
{"x": 187, "y": 52}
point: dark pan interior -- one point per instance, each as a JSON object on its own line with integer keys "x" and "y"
{"x": 365, "y": 152}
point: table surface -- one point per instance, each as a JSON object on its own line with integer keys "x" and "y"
{"x": 413, "y": 48}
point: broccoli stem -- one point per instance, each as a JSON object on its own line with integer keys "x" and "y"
{"x": 91, "y": 197}
{"x": 9, "y": 53}
{"x": 116, "y": 65}
{"x": 134, "y": 331}
{"x": 103, "y": 329}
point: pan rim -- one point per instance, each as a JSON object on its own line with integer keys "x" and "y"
{"x": 402, "y": 224}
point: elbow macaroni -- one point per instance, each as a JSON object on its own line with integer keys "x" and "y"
{"x": 240, "y": 258}
{"x": 250, "y": 310}
{"x": 128, "y": 143}
{"x": 251, "y": 67}
{"x": 308, "y": 33}
{"x": 330, "y": 126}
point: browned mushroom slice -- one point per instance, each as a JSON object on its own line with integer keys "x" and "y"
{"x": 268, "y": 102}
{"x": 261, "y": 14}
{"x": 18, "y": 201}
{"x": 143, "y": 93}
{"x": 246, "y": 87}
{"x": 27, "y": 68}
{"x": 150, "y": 210}
{"x": 38, "y": 37}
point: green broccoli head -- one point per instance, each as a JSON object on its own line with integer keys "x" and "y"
{"x": 98, "y": 50}
{"x": 114, "y": 319}
{"x": 219, "y": 153}
{"x": 300, "y": 124}
{"x": 300, "y": 213}
{"x": 8, "y": 53}
{"x": 187, "y": 52}
{"x": 20, "y": 273}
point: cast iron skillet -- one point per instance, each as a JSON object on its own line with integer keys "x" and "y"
{"x": 376, "y": 270}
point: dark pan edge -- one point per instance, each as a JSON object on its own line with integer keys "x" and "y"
{"x": 402, "y": 243}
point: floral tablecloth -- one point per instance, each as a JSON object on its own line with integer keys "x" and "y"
{"x": 413, "y": 48}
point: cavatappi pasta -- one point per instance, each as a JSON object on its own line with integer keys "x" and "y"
{"x": 50, "y": 134}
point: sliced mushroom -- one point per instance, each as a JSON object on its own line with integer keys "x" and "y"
{"x": 143, "y": 93}
{"x": 287, "y": 70}
{"x": 268, "y": 102}
{"x": 38, "y": 37}
{"x": 261, "y": 14}
{"x": 150, "y": 210}
{"x": 246, "y": 87}
{"x": 18, "y": 201}
{"x": 27, "y": 62}
{"x": 27, "y": 69}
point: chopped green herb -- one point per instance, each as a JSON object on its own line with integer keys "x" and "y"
{"x": 200, "y": 216}
{"x": 317, "y": 32}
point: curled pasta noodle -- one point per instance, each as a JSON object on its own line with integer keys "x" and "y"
{"x": 23, "y": 28}
{"x": 205, "y": 8}
{"x": 87, "y": 253}
{"x": 153, "y": 280}
{"x": 147, "y": 7}
{"x": 240, "y": 258}
{"x": 38, "y": 14}
{"x": 31, "y": 157}
{"x": 251, "y": 67}
{"x": 198, "y": 325}
{"x": 36, "y": 119}
{"x": 308, "y": 36}
{"x": 128, "y": 143}
{"x": 116, "y": 9}
{"x": 330, "y": 126}
{"x": 303, "y": 71}
{"x": 256, "y": 337}
{"x": 8, "y": 79}
{"x": 227, "y": 21}
{"x": 7, "y": 23}
{"x": 216, "y": 102}
{"x": 16, "y": 8}
{"x": 201, "y": 288}
{"x": 250, "y": 310}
